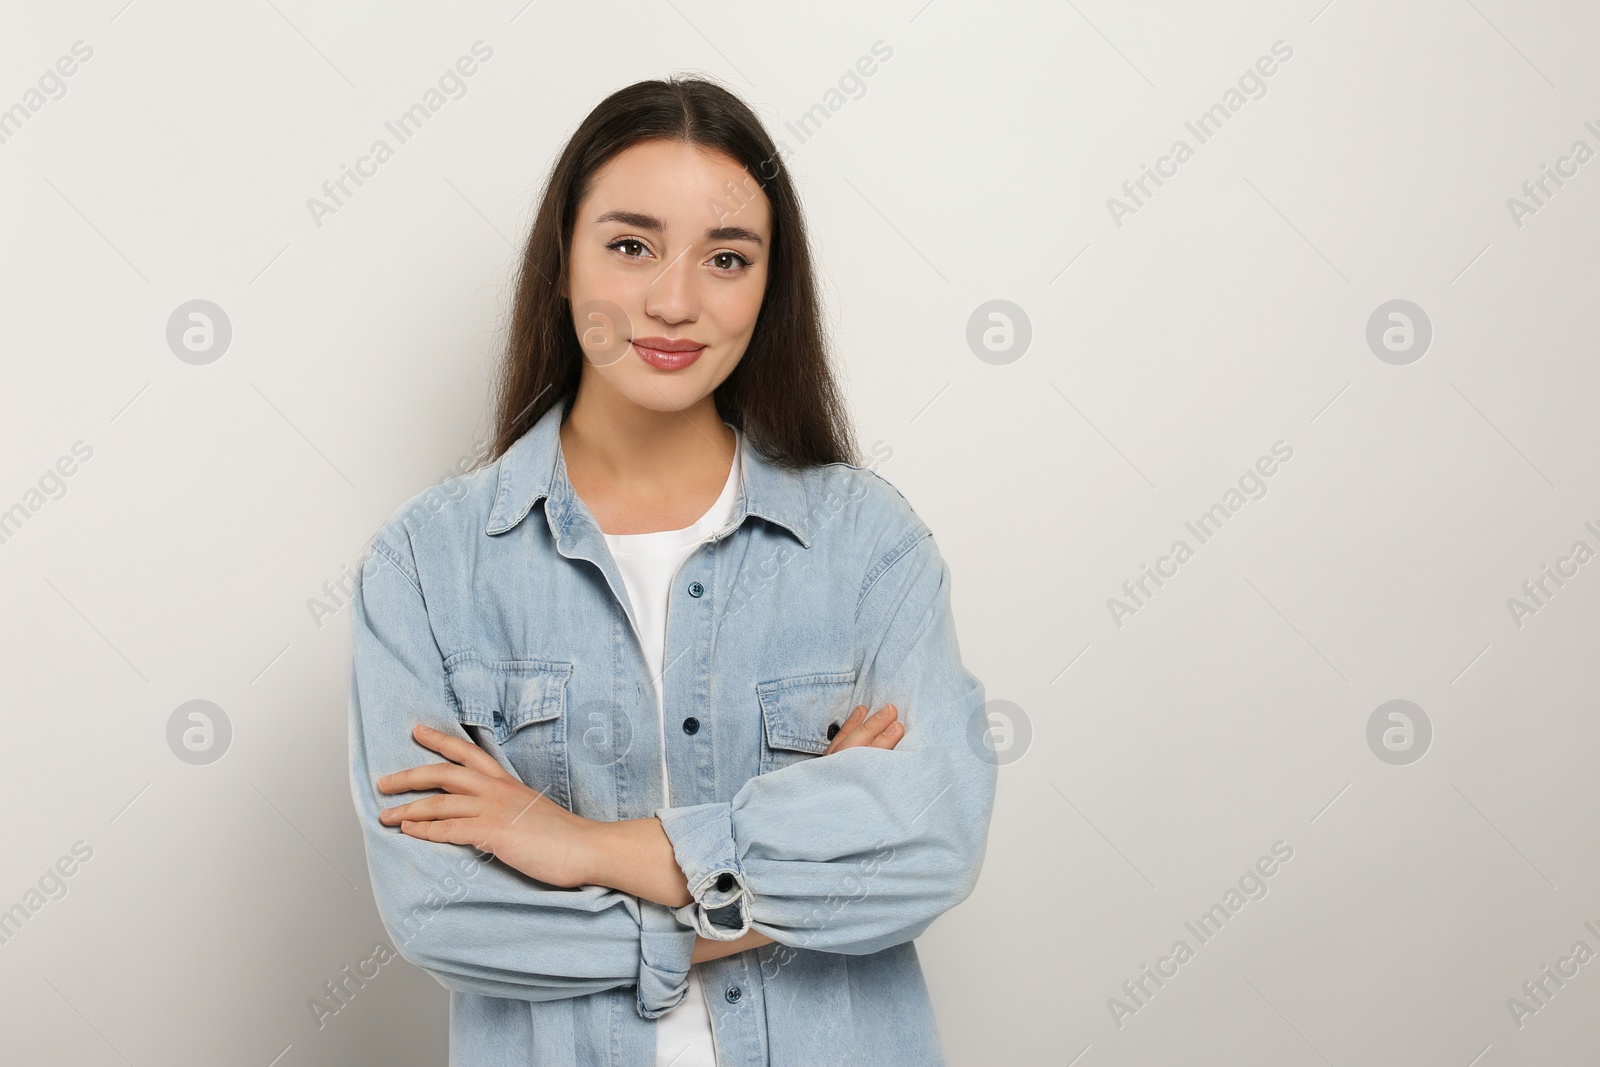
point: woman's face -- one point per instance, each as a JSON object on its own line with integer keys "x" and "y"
{"x": 669, "y": 249}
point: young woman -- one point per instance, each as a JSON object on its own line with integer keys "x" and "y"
{"x": 636, "y": 632}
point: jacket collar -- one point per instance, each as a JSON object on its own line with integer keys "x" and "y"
{"x": 534, "y": 468}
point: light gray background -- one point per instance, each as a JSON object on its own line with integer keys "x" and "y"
{"x": 1167, "y": 354}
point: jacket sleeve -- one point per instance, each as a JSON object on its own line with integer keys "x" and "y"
{"x": 862, "y": 849}
{"x": 474, "y": 923}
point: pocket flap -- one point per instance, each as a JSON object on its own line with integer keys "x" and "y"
{"x": 506, "y": 695}
{"x": 796, "y": 711}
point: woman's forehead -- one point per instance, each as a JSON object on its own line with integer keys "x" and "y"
{"x": 686, "y": 187}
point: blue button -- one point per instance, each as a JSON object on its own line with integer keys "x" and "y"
{"x": 691, "y": 725}
{"x": 696, "y": 589}
{"x": 733, "y": 994}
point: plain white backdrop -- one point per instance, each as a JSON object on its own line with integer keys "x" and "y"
{"x": 1160, "y": 738}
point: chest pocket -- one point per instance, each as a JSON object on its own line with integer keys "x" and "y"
{"x": 519, "y": 707}
{"x": 796, "y": 712}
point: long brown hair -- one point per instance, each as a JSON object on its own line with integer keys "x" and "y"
{"x": 782, "y": 394}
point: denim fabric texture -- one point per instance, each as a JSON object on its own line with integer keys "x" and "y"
{"x": 489, "y": 607}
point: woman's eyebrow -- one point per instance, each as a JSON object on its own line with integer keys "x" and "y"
{"x": 650, "y": 222}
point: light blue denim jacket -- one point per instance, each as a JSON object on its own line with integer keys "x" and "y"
{"x": 491, "y": 608}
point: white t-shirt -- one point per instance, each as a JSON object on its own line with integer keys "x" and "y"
{"x": 649, "y": 563}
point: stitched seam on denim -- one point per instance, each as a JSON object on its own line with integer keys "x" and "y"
{"x": 893, "y": 556}
{"x": 388, "y": 554}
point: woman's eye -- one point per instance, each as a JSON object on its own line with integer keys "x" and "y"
{"x": 629, "y": 242}
{"x": 738, "y": 261}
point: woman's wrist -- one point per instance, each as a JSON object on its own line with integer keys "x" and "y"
{"x": 635, "y": 856}
{"x": 707, "y": 949}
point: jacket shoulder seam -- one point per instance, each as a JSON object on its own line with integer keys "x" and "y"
{"x": 903, "y": 548}
{"x": 393, "y": 557}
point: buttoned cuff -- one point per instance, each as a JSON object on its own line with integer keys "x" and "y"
{"x": 665, "y": 948}
{"x": 702, "y": 842}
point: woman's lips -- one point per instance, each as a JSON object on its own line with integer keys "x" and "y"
{"x": 663, "y": 359}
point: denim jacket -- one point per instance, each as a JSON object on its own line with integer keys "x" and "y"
{"x": 490, "y": 607}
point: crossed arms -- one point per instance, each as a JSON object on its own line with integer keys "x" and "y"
{"x": 850, "y": 854}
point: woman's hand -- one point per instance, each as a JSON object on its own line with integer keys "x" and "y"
{"x": 882, "y": 729}
{"x": 487, "y": 808}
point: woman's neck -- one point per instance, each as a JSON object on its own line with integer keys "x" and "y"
{"x": 639, "y": 470}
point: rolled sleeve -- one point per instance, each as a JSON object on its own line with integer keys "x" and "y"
{"x": 474, "y": 923}
{"x": 665, "y": 948}
{"x": 861, "y": 849}
{"x": 702, "y": 842}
